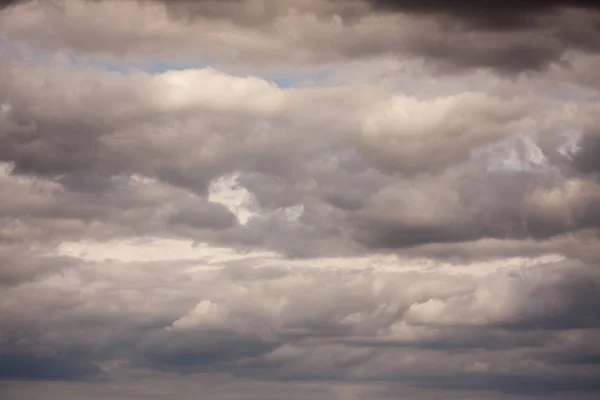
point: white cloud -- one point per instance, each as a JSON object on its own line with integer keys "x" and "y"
{"x": 407, "y": 133}
{"x": 207, "y": 88}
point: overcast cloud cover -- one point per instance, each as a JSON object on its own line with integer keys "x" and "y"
{"x": 299, "y": 199}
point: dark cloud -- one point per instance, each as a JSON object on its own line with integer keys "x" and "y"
{"x": 508, "y": 37}
{"x": 8, "y": 3}
{"x": 452, "y": 37}
{"x": 509, "y": 59}
{"x": 199, "y": 350}
{"x": 396, "y": 227}
{"x": 21, "y": 264}
{"x": 568, "y": 301}
{"x": 36, "y": 368}
{"x": 584, "y": 358}
{"x": 502, "y": 205}
{"x": 259, "y": 324}
{"x": 517, "y": 383}
{"x": 354, "y": 186}
{"x": 487, "y": 14}
{"x": 587, "y": 158}
{"x": 204, "y": 215}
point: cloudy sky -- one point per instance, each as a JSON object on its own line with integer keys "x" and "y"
{"x": 299, "y": 199}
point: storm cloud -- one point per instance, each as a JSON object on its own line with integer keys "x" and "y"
{"x": 312, "y": 199}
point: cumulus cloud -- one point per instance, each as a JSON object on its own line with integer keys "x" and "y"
{"x": 408, "y": 131}
{"x": 520, "y": 36}
{"x": 327, "y": 199}
{"x": 258, "y": 320}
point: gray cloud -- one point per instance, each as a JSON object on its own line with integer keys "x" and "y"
{"x": 506, "y": 38}
{"x": 264, "y": 326}
{"x": 586, "y": 159}
{"x": 525, "y": 36}
{"x": 355, "y": 199}
{"x": 518, "y": 384}
{"x": 28, "y": 367}
{"x": 486, "y": 14}
{"x": 7, "y": 3}
{"x": 342, "y": 181}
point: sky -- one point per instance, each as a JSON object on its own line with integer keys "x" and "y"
{"x": 299, "y": 200}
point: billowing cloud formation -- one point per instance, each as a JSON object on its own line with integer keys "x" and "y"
{"x": 257, "y": 321}
{"x": 329, "y": 199}
{"x": 508, "y": 37}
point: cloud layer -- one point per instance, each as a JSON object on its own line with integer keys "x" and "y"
{"x": 329, "y": 199}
